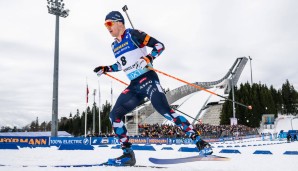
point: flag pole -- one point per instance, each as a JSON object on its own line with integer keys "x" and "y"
{"x": 111, "y": 93}
{"x": 99, "y": 109}
{"x": 87, "y": 92}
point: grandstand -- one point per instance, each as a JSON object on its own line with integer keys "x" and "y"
{"x": 182, "y": 98}
{"x": 212, "y": 115}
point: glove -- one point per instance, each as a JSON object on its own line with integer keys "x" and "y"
{"x": 142, "y": 63}
{"x": 100, "y": 70}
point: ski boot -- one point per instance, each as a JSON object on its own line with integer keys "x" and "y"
{"x": 126, "y": 159}
{"x": 203, "y": 146}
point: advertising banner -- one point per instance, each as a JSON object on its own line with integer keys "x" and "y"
{"x": 180, "y": 141}
{"x": 25, "y": 141}
{"x": 57, "y": 141}
{"x": 104, "y": 140}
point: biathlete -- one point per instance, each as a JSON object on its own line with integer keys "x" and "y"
{"x": 129, "y": 48}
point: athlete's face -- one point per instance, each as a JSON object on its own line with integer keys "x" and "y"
{"x": 113, "y": 27}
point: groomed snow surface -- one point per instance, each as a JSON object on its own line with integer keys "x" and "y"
{"x": 28, "y": 159}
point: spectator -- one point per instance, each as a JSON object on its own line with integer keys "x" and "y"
{"x": 289, "y": 137}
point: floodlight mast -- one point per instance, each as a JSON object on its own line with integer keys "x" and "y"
{"x": 56, "y": 7}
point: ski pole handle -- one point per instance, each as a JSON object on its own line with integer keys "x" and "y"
{"x": 125, "y": 8}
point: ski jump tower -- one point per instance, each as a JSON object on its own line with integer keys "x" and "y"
{"x": 147, "y": 114}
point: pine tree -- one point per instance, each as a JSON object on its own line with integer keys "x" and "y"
{"x": 277, "y": 98}
{"x": 289, "y": 97}
{"x": 36, "y": 124}
{"x": 32, "y": 126}
{"x": 43, "y": 126}
{"x": 243, "y": 97}
{"x": 76, "y": 122}
{"x": 106, "y": 126}
{"x": 259, "y": 96}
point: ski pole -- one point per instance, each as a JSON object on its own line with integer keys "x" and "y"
{"x": 200, "y": 88}
{"x": 116, "y": 79}
{"x": 185, "y": 114}
{"x": 125, "y": 10}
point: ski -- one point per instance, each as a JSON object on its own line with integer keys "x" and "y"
{"x": 106, "y": 164}
{"x": 143, "y": 166}
{"x": 83, "y": 165}
{"x": 188, "y": 159}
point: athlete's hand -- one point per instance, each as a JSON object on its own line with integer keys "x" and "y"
{"x": 99, "y": 70}
{"x": 142, "y": 63}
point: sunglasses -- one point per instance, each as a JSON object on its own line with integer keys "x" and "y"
{"x": 110, "y": 23}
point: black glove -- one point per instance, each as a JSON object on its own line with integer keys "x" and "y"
{"x": 100, "y": 70}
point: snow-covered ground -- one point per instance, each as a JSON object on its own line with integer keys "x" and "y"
{"x": 33, "y": 158}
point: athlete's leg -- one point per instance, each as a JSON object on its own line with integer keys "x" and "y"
{"x": 152, "y": 89}
{"x": 125, "y": 103}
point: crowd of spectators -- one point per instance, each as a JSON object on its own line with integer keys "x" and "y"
{"x": 205, "y": 130}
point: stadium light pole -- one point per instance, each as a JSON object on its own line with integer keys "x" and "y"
{"x": 250, "y": 69}
{"x": 233, "y": 97}
{"x": 56, "y": 7}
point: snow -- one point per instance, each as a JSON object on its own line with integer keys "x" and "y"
{"x": 15, "y": 159}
